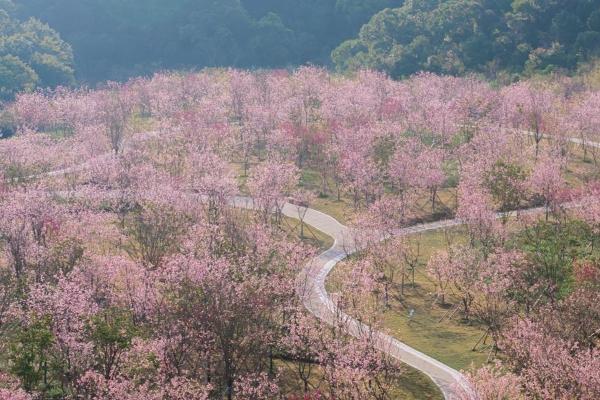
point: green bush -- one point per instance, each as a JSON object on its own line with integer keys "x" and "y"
{"x": 8, "y": 125}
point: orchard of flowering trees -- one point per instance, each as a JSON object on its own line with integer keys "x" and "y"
{"x": 127, "y": 270}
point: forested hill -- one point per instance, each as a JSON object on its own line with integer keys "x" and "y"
{"x": 119, "y": 39}
{"x": 458, "y": 36}
{"x": 116, "y": 39}
{"x": 31, "y": 54}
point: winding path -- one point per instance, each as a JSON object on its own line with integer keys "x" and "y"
{"x": 318, "y": 302}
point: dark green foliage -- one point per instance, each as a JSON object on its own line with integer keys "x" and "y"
{"x": 15, "y": 76}
{"x": 117, "y": 39}
{"x": 552, "y": 248}
{"x": 459, "y": 36}
{"x": 31, "y": 55}
{"x": 111, "y": 331}
{"x": 30, "y": 356}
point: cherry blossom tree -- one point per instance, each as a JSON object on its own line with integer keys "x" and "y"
{"x": 302, "y": 200}
{"x": 582, "y": 121}
{"x": 417, "y": 166}
{"x": 438, "y": 269}
{"x": 115, "y": 112}
{"x": 546, "y": 180}
{"x": 359, "y": 175}
{"x": 572, "y": 373}
{"x": 531, "y": 108}
{"x": 492, "y": 306}
{"x": 491, "y": 383}
{"x": 270, "y": 184}
{"x": 465, "y": 269}
{"x": 476, "y": 211}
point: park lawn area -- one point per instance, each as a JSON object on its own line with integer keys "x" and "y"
{"x": 579, "y": 169}
{"x": 328, "y": 203}
{"x": 311, "y": 236}
{"x": 412, "y": 384}
{"x": 434, "y": 329}
{"x": 340, "y": 210}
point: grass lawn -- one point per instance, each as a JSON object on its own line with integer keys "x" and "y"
{"x": 434, "y": 330}
{"x": 580, "y": 170}
{"x": 311, "y": 235}
{"x": 340, "y": 210}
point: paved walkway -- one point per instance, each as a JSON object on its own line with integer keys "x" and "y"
{"x": 318, "y": 302}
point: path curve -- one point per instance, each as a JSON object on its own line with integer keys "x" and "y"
{"x": 317, "y": 300}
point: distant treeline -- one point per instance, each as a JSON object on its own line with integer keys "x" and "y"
{"x": 488, "y": 36}
{"x": 31, "y": 55}
{"x": 118, "y": 39}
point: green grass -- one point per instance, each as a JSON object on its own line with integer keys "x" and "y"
{"x": 327, "y": 201}
{"x": 340, "y": 210}
{"x": 449, "y": 341}
{"x": 434, "y": 330}
{"x": 414, "y": 385}
{"x": 311, "y": 235}
{"x": 580, "y": 170}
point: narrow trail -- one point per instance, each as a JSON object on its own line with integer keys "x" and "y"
{"x": 317, "y": 300}
{"x": 315, "y": 273}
